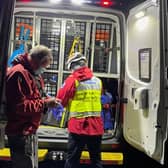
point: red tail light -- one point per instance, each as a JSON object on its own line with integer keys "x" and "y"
{"x": 106, "y": 3}
{"x": 25, "y": 0}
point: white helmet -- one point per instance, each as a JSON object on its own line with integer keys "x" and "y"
{"x": 75, "y": 58}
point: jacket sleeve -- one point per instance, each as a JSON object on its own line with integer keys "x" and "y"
{"x": 67, "y": 91}
{"x": 23, "y": 95}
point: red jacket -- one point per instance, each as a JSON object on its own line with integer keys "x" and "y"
{"x": 85, "y": 126}
{"x": 24, "y": 103}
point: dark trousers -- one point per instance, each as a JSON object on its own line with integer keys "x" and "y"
{"x": 76, "y": 144}
{"x": 23, "y": 150}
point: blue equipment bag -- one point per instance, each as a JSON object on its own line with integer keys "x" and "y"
{"x": 106, "y": 114}
{"x": 53, "y": 116}
{"x": 21, "y": 50}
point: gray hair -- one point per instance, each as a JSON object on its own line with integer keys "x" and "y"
{"x": 40, "y": 51}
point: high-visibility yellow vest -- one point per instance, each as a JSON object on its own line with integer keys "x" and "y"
{"x": 87, "y": 99}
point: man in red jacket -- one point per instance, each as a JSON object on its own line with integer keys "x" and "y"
{"x": 26, "y": 103}
{"x": 81, "y": 95}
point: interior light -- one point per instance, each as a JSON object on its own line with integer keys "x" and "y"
{"x": 154, "y": 2}
{"x": 142, "y": 24}
{"x": 140, "y": 14}
{"x": 77, "y": 2}
{"x": 55, "y": 1}
{"x": 88, "y": 1}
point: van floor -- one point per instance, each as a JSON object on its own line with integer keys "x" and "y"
{"x": 53, "y": 131}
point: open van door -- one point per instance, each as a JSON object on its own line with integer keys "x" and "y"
{"x": 146, "y": 79}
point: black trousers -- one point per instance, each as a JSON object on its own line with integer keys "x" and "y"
{"x": 23, "y": 150}
{"x": 76, "y": 144}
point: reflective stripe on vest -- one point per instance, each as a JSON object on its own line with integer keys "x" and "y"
{"x": 87, "y": 99}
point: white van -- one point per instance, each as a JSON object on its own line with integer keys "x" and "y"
{"x": 128, "y": 53}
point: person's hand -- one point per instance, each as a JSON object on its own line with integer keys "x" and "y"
{"x": 51, "y": 102}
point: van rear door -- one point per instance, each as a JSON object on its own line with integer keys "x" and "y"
{"x": 146, "y": 79}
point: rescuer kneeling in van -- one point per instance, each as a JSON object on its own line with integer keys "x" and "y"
{"x": 26, "y": 104}
{"x": 81, "y": 95}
